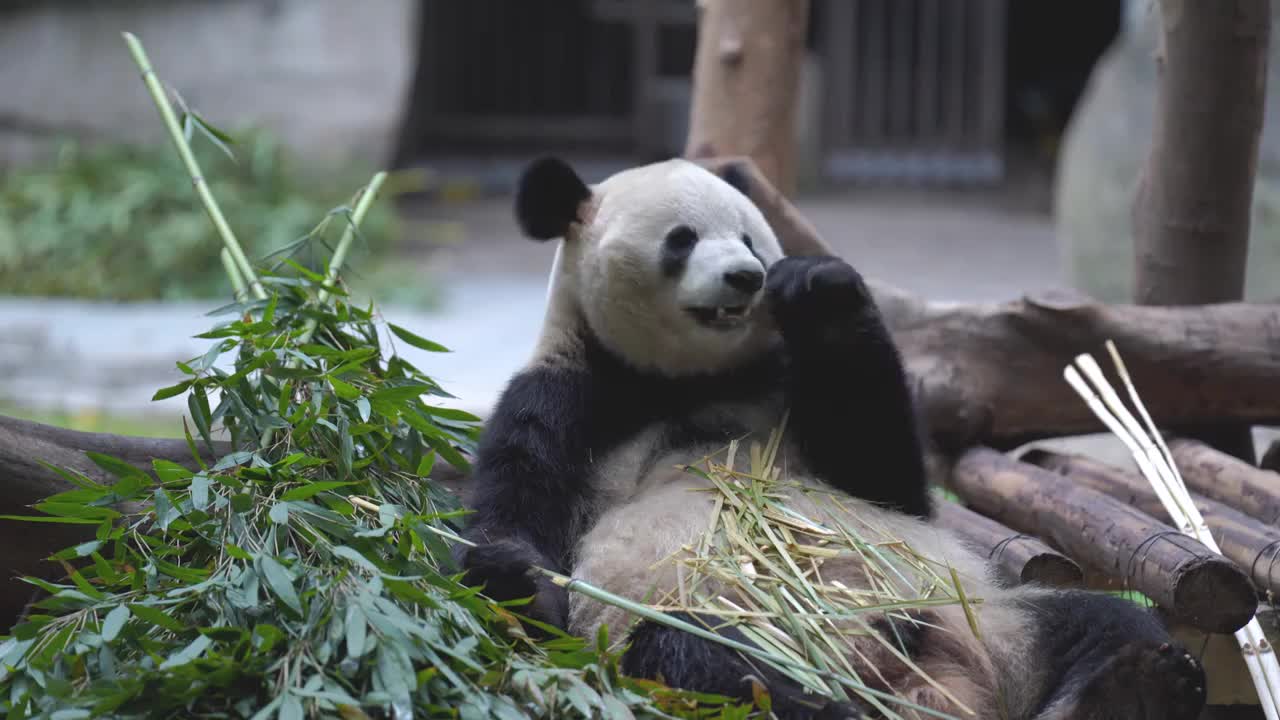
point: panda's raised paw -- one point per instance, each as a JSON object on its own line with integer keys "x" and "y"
{"x": 811, "y": 295}
{"x": 505, "y": 569}
{"x": 1145, "y": 681}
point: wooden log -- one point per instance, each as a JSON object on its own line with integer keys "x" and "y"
{"x": 1253, "y": 546}
{"x": 1020, "y": 558}
{"x": 1228, "y": 480}
{"x": 1198, "y": 365}
{"x": 24, "y": 446}
{"x": 746, "y": 81}
{"x": 1195, "y": 584}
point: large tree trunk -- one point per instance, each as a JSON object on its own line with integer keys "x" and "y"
{"x": 746, "y": 80}
{"x": 1192, "y": 209}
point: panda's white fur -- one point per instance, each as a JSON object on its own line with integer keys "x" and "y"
{"x": 619, "y": 306}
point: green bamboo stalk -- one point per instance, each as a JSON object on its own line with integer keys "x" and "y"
{"x": 335, "y": 266}
{"x": 344, "y": 246}
{"x": 237, "y": 280}
{"x": 193, "y": 168}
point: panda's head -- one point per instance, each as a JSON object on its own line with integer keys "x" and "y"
{"x": 665, "y": 263}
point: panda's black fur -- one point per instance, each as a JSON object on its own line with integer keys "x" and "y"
{"x": 538, "y": 488}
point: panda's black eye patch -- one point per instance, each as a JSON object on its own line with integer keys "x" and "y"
{"x": 676, "y": 248}
{"x": 682, "y": 237}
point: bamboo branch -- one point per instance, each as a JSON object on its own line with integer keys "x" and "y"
{"x": 340, "y": 252}
{"x": 193, "y": 167}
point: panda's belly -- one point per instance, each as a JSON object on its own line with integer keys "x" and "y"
{"x": 633, "y": 548}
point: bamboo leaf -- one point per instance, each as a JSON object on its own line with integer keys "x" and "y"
{"x": 278, "y": 580}
{"x": 310, "y": 490}
{"x": 114, "y": 623}
{"x": 343, "y": 390}
{"x": 417, "y": 341}
{"x": 157, "y": 617}
{"x": 173, "y": 390}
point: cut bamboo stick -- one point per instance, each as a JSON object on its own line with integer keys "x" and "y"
{"x": 1251, "y": 545}
{"x": 1156, "y": 461}
{"x": 1195, "y": 584}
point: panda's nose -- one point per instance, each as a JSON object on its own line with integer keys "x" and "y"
{"x": 746, "y": 281}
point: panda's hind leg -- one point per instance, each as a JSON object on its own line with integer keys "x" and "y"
{"x": 1113, "y": 660}
{"x": 683, "y": 660}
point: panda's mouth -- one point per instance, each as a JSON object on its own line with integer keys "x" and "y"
{"x": 725, "y": 317}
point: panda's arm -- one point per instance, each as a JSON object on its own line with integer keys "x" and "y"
{"x": 530, "y": 480}
{"x": 852, "y": 411}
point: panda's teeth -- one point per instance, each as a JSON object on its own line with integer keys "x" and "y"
{"x": 721, "y": 313}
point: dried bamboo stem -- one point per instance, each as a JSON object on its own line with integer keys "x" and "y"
{"x": 1156, "y": 462}
{"x": 1196, "y": 585}
{"x": 1250, "y": 544}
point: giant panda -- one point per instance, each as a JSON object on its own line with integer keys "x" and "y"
{"x": 674, "y": 324}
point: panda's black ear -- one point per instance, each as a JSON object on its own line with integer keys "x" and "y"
{"x": 548, "y": 198}
{"x": 737, "y": 176}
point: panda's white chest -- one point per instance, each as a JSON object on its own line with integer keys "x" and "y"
{"x": 654, "y": 456}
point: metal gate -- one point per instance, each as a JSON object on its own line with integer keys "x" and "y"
{"x": 913, "y": 90}
{"x": 578, "y": 73}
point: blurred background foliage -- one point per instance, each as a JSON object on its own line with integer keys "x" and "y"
{"x": 118, "y": 222}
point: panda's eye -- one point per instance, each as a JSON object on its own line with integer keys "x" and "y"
{"x": 746, "y": 240}
{"x": 681, "y": 238}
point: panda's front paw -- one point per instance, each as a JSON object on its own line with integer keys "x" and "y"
{"x": 1146, "y": 681}
{"x": 506, "y": 571}
{"x": 816, "y": 298}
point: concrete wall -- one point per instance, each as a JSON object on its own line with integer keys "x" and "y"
{"x": 328, "y": 76}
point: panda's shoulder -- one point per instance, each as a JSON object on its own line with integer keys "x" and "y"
{"x": 543, "y": 390}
